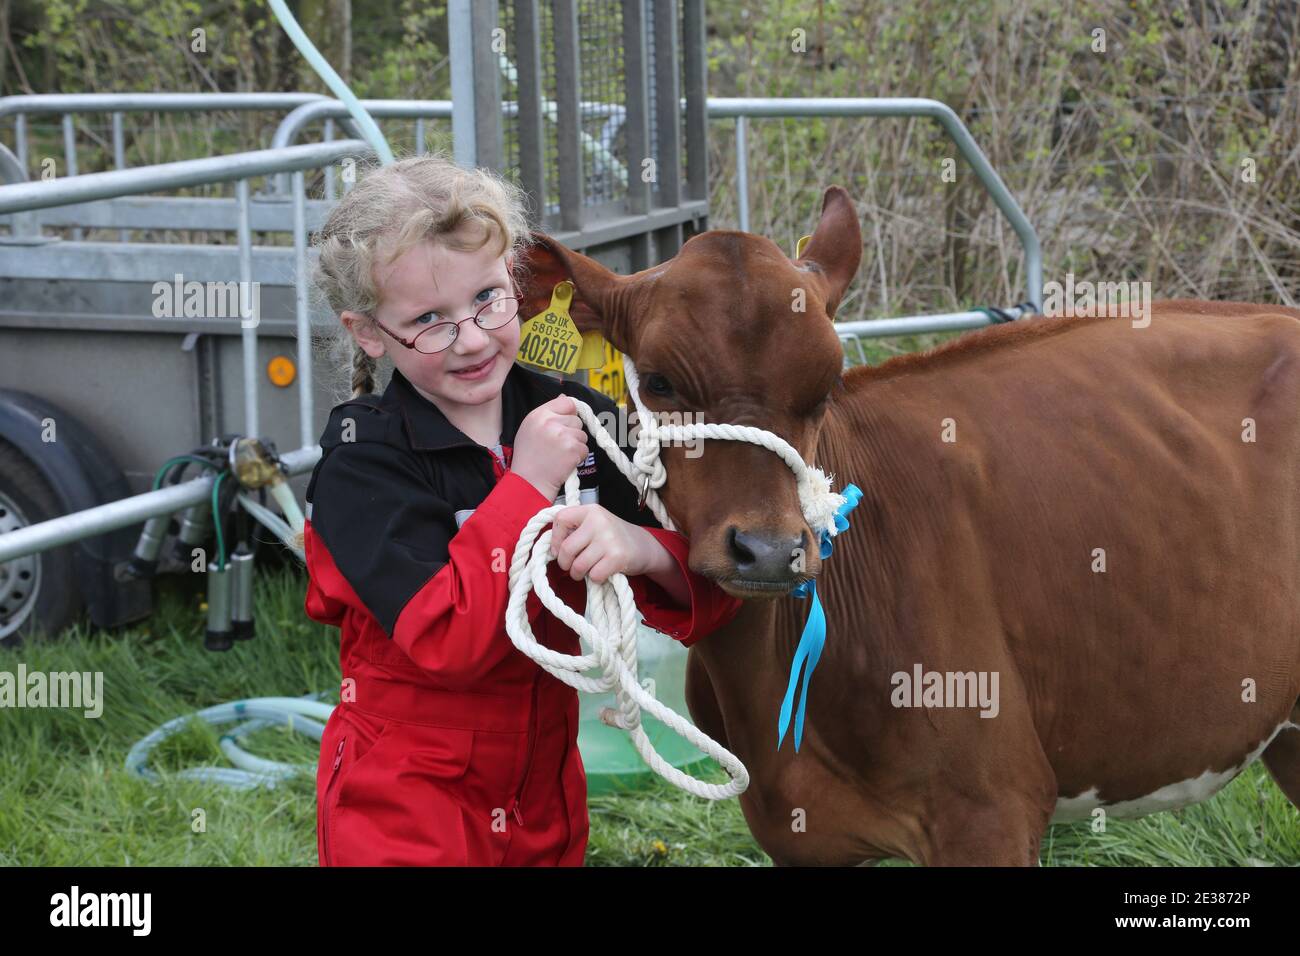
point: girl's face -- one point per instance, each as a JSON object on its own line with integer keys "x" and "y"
{"x": 430, "y": 283}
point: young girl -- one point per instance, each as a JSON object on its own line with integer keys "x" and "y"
{"x": 450, "y": 747}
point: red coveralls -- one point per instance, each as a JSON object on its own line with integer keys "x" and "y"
{"x": 450, "y": 746}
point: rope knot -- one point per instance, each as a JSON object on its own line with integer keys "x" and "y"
{"x": 820, "y": 504}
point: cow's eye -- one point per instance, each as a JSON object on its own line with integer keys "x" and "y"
{"x": 816, "y": 411}
{"x": 656, "y": 384}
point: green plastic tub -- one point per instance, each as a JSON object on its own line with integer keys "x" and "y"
{"x": 611, "y": 761}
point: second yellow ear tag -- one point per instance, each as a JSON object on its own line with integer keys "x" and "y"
{"x": 798, "y": 246}
{"x": 551, "y": 340}
{"x": 609, "y": 377}
{"x": 592, "y": 353}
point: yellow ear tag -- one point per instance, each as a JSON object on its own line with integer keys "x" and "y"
{"x": 609, "y": 376}
{"x": 551, "y": 340}
{"x": 592, "y": 353}
{"x": 798, "y": 246}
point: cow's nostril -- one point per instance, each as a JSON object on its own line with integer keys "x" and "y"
{"x": 764, "y": 557}
{"x": 741, "y": 553}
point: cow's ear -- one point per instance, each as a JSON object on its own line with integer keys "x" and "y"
{"x": 834, "y": 252}
{"x": 544, "y": 263}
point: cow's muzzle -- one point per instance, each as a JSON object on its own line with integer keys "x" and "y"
{"x": 766, "y": 562}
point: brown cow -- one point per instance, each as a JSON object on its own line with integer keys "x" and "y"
{"x": 1105, "y": 519}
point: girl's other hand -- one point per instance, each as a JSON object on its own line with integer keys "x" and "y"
{"x": 590, "y": 541}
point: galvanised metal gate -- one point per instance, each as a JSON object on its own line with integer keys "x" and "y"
{"x": 599, "y": 107}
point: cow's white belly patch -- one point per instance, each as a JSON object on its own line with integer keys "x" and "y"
{"x": 1169, "y": 797}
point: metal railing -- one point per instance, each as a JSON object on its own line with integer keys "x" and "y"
{"x": 742, "y": 109}
{"x": 293, "y": 125}
{"x": 306, "y": 109}
{"x": 293, "y": 160}
{"x": 201, "y": 213}
{"x": 118, "y": 105}
{"x": 286, "y": 134}
{"x": 21, "y": 197}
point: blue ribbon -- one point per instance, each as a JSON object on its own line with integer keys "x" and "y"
{"x": 814, "y": 630}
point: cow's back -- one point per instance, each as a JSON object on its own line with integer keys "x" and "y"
{"x": 1112, "y": 511}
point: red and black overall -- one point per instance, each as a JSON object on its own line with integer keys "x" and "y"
{"x": 450, "y": 747}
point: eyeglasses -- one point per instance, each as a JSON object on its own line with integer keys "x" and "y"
{"x": 493, "y": 315}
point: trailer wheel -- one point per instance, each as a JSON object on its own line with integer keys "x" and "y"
{"x": 38, "y": 593}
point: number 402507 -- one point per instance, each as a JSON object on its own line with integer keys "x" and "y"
{"x": 542, "y": 351}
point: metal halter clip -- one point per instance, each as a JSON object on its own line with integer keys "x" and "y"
{"x": 645, "y": 489}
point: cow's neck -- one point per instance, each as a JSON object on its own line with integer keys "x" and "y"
{"x": 749, "y": 661}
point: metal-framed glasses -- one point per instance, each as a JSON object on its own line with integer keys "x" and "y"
{"x": 493, "y": 315}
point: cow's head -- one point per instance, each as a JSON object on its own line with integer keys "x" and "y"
{"x": 731, "y": 331}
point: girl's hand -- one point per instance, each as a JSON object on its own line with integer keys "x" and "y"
{"x": 589, "y": 541}
{"x": 549, "y": 444}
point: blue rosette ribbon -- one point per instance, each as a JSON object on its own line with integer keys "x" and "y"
{"x": 814, "y": 630}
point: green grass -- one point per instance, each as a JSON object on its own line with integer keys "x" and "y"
{"x": 65, "y": 798}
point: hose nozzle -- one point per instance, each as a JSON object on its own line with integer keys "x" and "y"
{"x": 144, "y": 561}
{"x": 218, "y": 636}
{"x": 241, "y": 601}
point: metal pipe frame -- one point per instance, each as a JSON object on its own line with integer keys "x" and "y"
{"x": 128, "y": 511}
{"x": 20, "y": 107}
{"x": 308, "y": 107}
{"x": 302, "y": 310}
{"x": 25, "y": 197}
{"x": 27, "y": 104}
{"x": 742, "y": 107}
{"x": 918, "y": 324}
{"x": 248, "y": 330}
{"x": 286, "y": 134}
{"x": 21, "y": 197}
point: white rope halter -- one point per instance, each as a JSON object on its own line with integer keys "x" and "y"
{"x": 609, "y": 626}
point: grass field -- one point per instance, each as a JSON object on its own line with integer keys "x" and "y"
{"x": 65, "y": 798}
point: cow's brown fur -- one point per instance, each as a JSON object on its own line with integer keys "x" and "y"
{"x": 1072, "y": 434}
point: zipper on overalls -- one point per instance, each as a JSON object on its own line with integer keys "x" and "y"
{"x": 334, "y": 773}
{"x": 498, "y": 464}
{"x": 498, "y": 472}
{"x": 528, "y": 758}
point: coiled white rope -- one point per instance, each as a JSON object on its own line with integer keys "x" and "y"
{"x": 611, "y": 619}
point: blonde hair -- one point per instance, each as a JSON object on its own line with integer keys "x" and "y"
{"x": 390, "y": 209}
